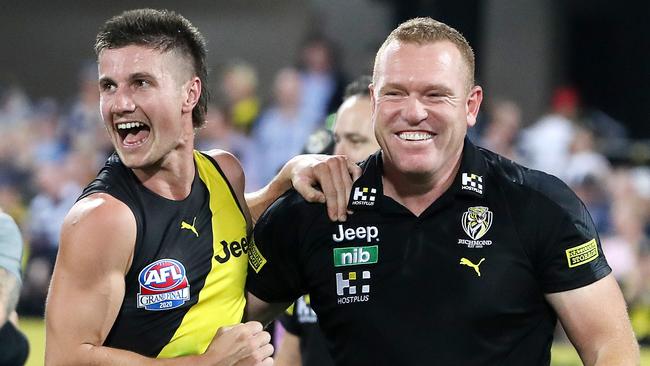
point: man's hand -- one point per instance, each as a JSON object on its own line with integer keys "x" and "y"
{"x": 326, "y": 179}
{"x": 241, "y": 345}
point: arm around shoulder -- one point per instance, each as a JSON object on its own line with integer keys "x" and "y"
{"x": 595, "y": 319}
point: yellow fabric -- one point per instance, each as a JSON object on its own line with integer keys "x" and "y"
{"x": 221, "y": 300}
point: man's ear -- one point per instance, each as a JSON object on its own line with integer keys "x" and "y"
{"x": 473, "y": 104}
{"x": 193, "y": 93}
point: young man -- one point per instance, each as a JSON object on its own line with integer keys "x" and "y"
{"x": 303, "y": 343}
{"x": 153, "y": 256}
{"x": 453, "y": 255}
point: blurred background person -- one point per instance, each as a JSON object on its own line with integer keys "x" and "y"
{"x": 220, "y": 133}
{"x": 57, "y": 192}
{"x": 13, "y": 343}
{"x": 239, "y": 85}
{"x": 501, "y": 134}
{"x": 283, "y": 127}
{"x": 322, "y": 78}
{"x": 546, "y": 142}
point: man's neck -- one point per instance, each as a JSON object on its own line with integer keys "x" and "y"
{"x": 418, "y": 192}
{"x": 172, "y": 177}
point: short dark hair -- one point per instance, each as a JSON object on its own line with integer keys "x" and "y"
{"x": 359, "y": 86}
{"x": 161, "y": 30}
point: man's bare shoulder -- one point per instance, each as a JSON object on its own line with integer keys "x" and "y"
{"x": 98, "y": 226}
{"x": 230, "y": 166}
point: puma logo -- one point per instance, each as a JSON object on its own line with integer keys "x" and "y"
{"x": 185, "y": 225}
{"x": 469, "y": 263}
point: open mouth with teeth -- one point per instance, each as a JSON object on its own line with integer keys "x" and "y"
{"x": 133, "y": 133}
{"x": 415, "y": 135}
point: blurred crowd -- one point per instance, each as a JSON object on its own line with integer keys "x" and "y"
{"x": 51, "y": 150}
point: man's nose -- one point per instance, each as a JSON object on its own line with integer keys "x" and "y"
{"x": 339, "y": 148}
{"x": 414, "y": 110}
{"x": 123, "y": 102}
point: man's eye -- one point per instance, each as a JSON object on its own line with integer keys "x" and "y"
{"x": 142, "y": 83}
{"x": 106, "y": 86}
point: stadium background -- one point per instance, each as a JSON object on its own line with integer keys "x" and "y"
{"x": 525, "y": 51}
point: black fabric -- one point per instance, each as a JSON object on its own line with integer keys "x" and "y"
{"x": 443, "y": 288}
{"x": 14, "y": 347}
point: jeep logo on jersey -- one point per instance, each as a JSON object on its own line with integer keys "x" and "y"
{"x": 368, "y": 233}
{"x": 363, "y": 196}
{"x": 472, "y": 182}
{"x": 234, "y": 248}
{"x": 477, "y": 221}
{"x": 163, "y": 285}
{"x": 355, "y": 255}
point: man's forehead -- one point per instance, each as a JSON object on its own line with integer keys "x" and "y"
{"x": 137, "y": 59}
{"x": 414, "y": 59}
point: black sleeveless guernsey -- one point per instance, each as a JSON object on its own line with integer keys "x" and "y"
{"x": 189, "y": 266}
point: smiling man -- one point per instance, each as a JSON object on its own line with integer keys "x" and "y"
{"x": 153, "y": 256}
{"x": 454, "y": 255}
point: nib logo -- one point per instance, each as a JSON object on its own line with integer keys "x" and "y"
{"x": 355, "y": 255}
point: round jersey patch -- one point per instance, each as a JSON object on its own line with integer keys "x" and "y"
{"x": 163, "y": 285}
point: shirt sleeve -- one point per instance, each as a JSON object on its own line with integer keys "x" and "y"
{"x": 273, "y": 258}
{"x": 568, "y": 249}
{"x": 11, "y": 245}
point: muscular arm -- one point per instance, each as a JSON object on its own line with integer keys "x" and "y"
{"x": 318, "y": 178}
{"x": 596, "y": 321}
{"x": 87, "y": 289}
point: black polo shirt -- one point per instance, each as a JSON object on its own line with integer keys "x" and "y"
{"x": 462, "y": 284}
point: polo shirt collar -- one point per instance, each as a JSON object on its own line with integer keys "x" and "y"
{"x": 368, "y": 191}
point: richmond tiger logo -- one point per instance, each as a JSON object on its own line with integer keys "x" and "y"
{"x": 477, "y": 221}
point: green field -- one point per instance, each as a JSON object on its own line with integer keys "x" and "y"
{"x": 562, "y": 354}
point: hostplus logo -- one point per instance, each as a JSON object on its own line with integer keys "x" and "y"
{"x": 472, "y": 182}
{"x": 364, "y": 196}
{"x": 348, "y": 286}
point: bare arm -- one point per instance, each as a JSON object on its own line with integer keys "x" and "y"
{"x": 262, "y": 311}
{"x": 87, "y": 288}
{"x": 288, "y": 353}
{"x": 596, "y": 321}
{"x": 306, "y": 173}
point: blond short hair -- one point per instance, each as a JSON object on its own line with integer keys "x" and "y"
{"x": 425, "y": 30}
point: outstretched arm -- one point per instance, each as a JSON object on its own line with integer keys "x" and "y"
{"x": 596, "y": 321}
{"x": 318, "y": 178}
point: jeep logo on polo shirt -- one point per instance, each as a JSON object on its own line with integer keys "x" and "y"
{"x": 368, "y": 233}
{"x": 364, "y": 196}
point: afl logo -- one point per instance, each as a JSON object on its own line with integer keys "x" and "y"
{"x": 163, "y": 285}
